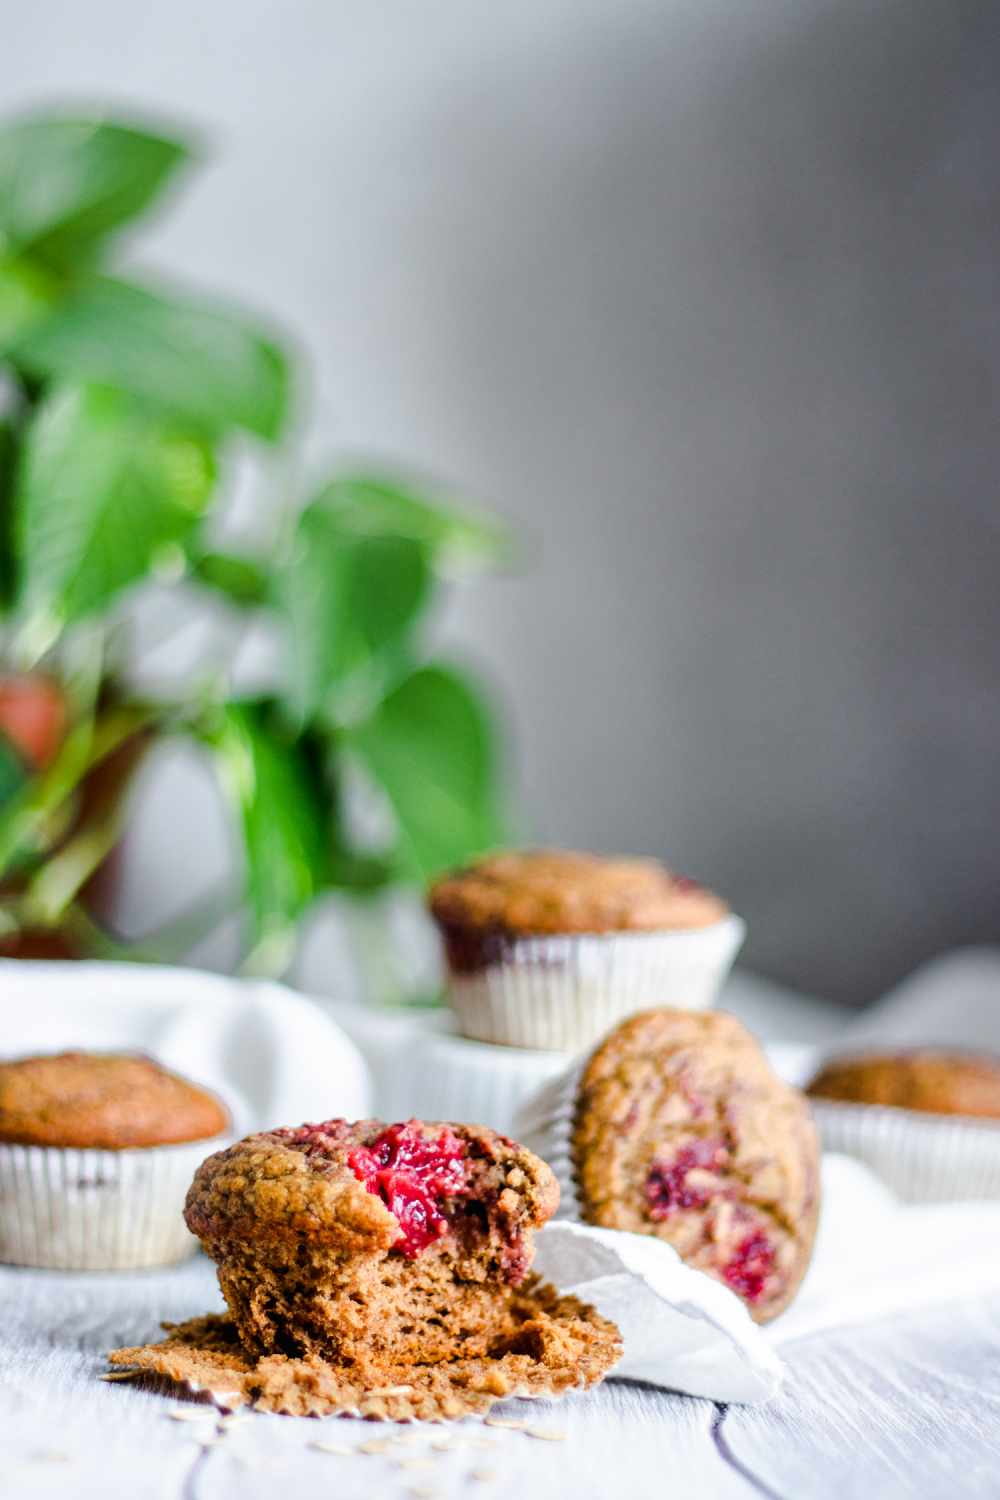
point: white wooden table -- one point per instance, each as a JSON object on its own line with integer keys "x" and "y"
{"x": 909, "y": 1406}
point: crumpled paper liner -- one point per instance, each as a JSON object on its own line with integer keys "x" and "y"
{"x": 544, "y": 1124}
{"x": 563, "y": 1345}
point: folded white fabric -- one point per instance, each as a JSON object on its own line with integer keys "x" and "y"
{"x": 876, "y": 1256}
{"x": 270, "y": 1054}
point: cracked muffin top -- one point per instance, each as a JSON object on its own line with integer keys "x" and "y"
{"x": 369, "y": 1186}
{"x": 941, "y": 1083}
{"x": 682, "y": 1131}
{"x": 98, "y": 1101}
{"x": 554, "y": 891}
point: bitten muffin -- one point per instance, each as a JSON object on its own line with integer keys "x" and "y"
{"x": 676, "y": 1127}
{"x": 938, "y": 1082}
{"x": 550, "y": 948}
{"x": 96, "y": 1154}
{"x": 105, "y": 1102}
{"x": 366, "y": 1261}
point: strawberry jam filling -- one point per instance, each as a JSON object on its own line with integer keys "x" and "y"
{"x": 681, "y": 1182}
{"x": 411, "y": 1174}
{"x": 750, "y": 1267}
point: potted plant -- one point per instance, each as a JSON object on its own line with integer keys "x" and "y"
{"x": 122, "y": 405}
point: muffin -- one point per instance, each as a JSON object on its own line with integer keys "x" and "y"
{"x": 96, "y": 1153}
{"x": 939, "y": 1083}
{"x": 550, "y": 949}
{"x": 676, "y": 1127}
{"x": 919, "y": 1119}
{"x": 383, "y": 1269}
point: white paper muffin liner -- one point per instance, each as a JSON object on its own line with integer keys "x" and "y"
{"x": 563, "y": 993}
{"x": 544, "y": 1124}
{"x": 90, "y": 1210}
{"x": 924, "y": 1158}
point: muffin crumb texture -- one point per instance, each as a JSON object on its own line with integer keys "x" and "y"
{"x": 93, "y": 1101}
{"x": 556, "y": 1344}
{"x": 936, "y": 1082}
{"x": 682, "y": 1131}
{"x": 556, "y": 891}
{"x": 380, "y": 1269}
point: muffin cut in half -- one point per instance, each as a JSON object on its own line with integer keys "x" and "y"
{"x": 365, "y": 1263}
{"x": 676, "y": 1127}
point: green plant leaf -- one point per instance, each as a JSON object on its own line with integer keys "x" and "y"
{"x": 377, "y": 507}
{"x": 348, "y": 598}
{"x": 66, "y": 184}
{"x": 237, "y": 577}
{"x": 102, "y": 488}
{"x": 27, "y": 295}
{"x": 13, "y": 772}
{"x": 9, "y": 453}
{"x": 287, "y": 821}
{"x": 199, "y": 363}
{"x": 430, "y": 744}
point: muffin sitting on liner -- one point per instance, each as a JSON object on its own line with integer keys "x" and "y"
{"x": 550, "y": 949}
{"x": 96, "y": 1154}
{"x": 381, "y": 1270}
{"x": 676, "y": 1127}
{"x": 920, "y": 1119}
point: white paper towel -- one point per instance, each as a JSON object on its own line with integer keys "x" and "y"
{"x": 680, "y": 1328}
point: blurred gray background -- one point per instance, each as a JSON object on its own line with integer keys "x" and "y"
{"x": 701, "y": 294}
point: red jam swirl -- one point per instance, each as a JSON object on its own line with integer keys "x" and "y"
{"x": 750, "y": 1267}
{"x": 667, "y": 1186}
{"x": 411, "y": 1174}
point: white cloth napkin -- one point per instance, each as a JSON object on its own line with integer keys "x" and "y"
{"x": 270, "y": 1054}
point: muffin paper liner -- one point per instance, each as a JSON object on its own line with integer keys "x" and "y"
{"x": 924, "y": 1158}
{"x": 206, "y": 1355}
{"x": 563, "y": 993}
{"x": 545, "y": 1125}
{"x": 91, "y": 1210}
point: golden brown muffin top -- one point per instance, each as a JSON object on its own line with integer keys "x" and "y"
{"x": 556, "y": 890}
{"x": 941, "y": 1083}
{"x": 365, "y": 1185}
{"x": 100, "y": 1101}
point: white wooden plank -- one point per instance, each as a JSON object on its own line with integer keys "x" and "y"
{"x": 622, "y": 1440}
{"x": 903, "y": 1407}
